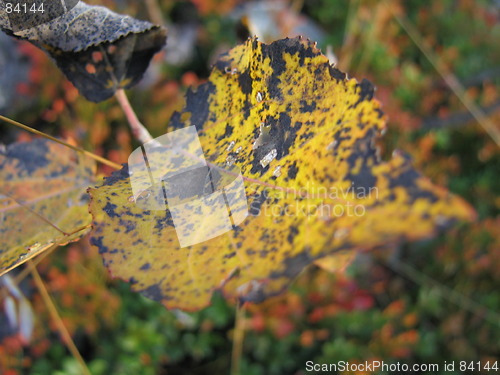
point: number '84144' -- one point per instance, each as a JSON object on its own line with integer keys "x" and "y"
{"x": 24, "y": 8}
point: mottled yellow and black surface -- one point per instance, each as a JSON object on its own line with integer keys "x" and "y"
{"x": 303, "y": 135}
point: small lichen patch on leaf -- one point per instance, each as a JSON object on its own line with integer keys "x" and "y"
{"x": 314, "y": 183}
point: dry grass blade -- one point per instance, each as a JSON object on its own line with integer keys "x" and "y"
{"x": 22, "y": 204}
{"x": 138, "y": 129}
{"x": 445, "y": 292}
{"x": 154, "y": 12}
{"x": 44, "y": 251}
{"x": 238, "y": 337}
{"x": 57, "y": 319}
{"x": 450, "y": 79}
{"x": 97, "y": 158}
{"x": 348, "y": 46}
{"x": 36, "y": 261}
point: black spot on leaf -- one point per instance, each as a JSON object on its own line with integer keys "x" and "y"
{"x": 110, "y": 210}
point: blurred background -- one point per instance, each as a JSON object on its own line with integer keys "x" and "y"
{"x": 425, "y": 302}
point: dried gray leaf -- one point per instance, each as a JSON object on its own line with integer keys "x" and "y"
{"x": 25, "y": 14}
{"x": 88, "y": 40}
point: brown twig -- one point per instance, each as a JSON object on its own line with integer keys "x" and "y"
{"x": 138, "y": 130}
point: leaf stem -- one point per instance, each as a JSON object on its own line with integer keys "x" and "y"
{"x": 138, "y": 130}
{"x": 238, "y": 337}
{"x": 57, "y": 319}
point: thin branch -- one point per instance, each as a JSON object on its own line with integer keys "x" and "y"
{"x": 66, "y": 337}
{"x": 98, "y": 158}
{"x": 238, "y": 337}
{"x": 138, "y": 130}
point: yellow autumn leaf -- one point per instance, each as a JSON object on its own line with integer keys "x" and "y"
{"x": 42, "y": 199}
{"x": 303, "y": 137}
